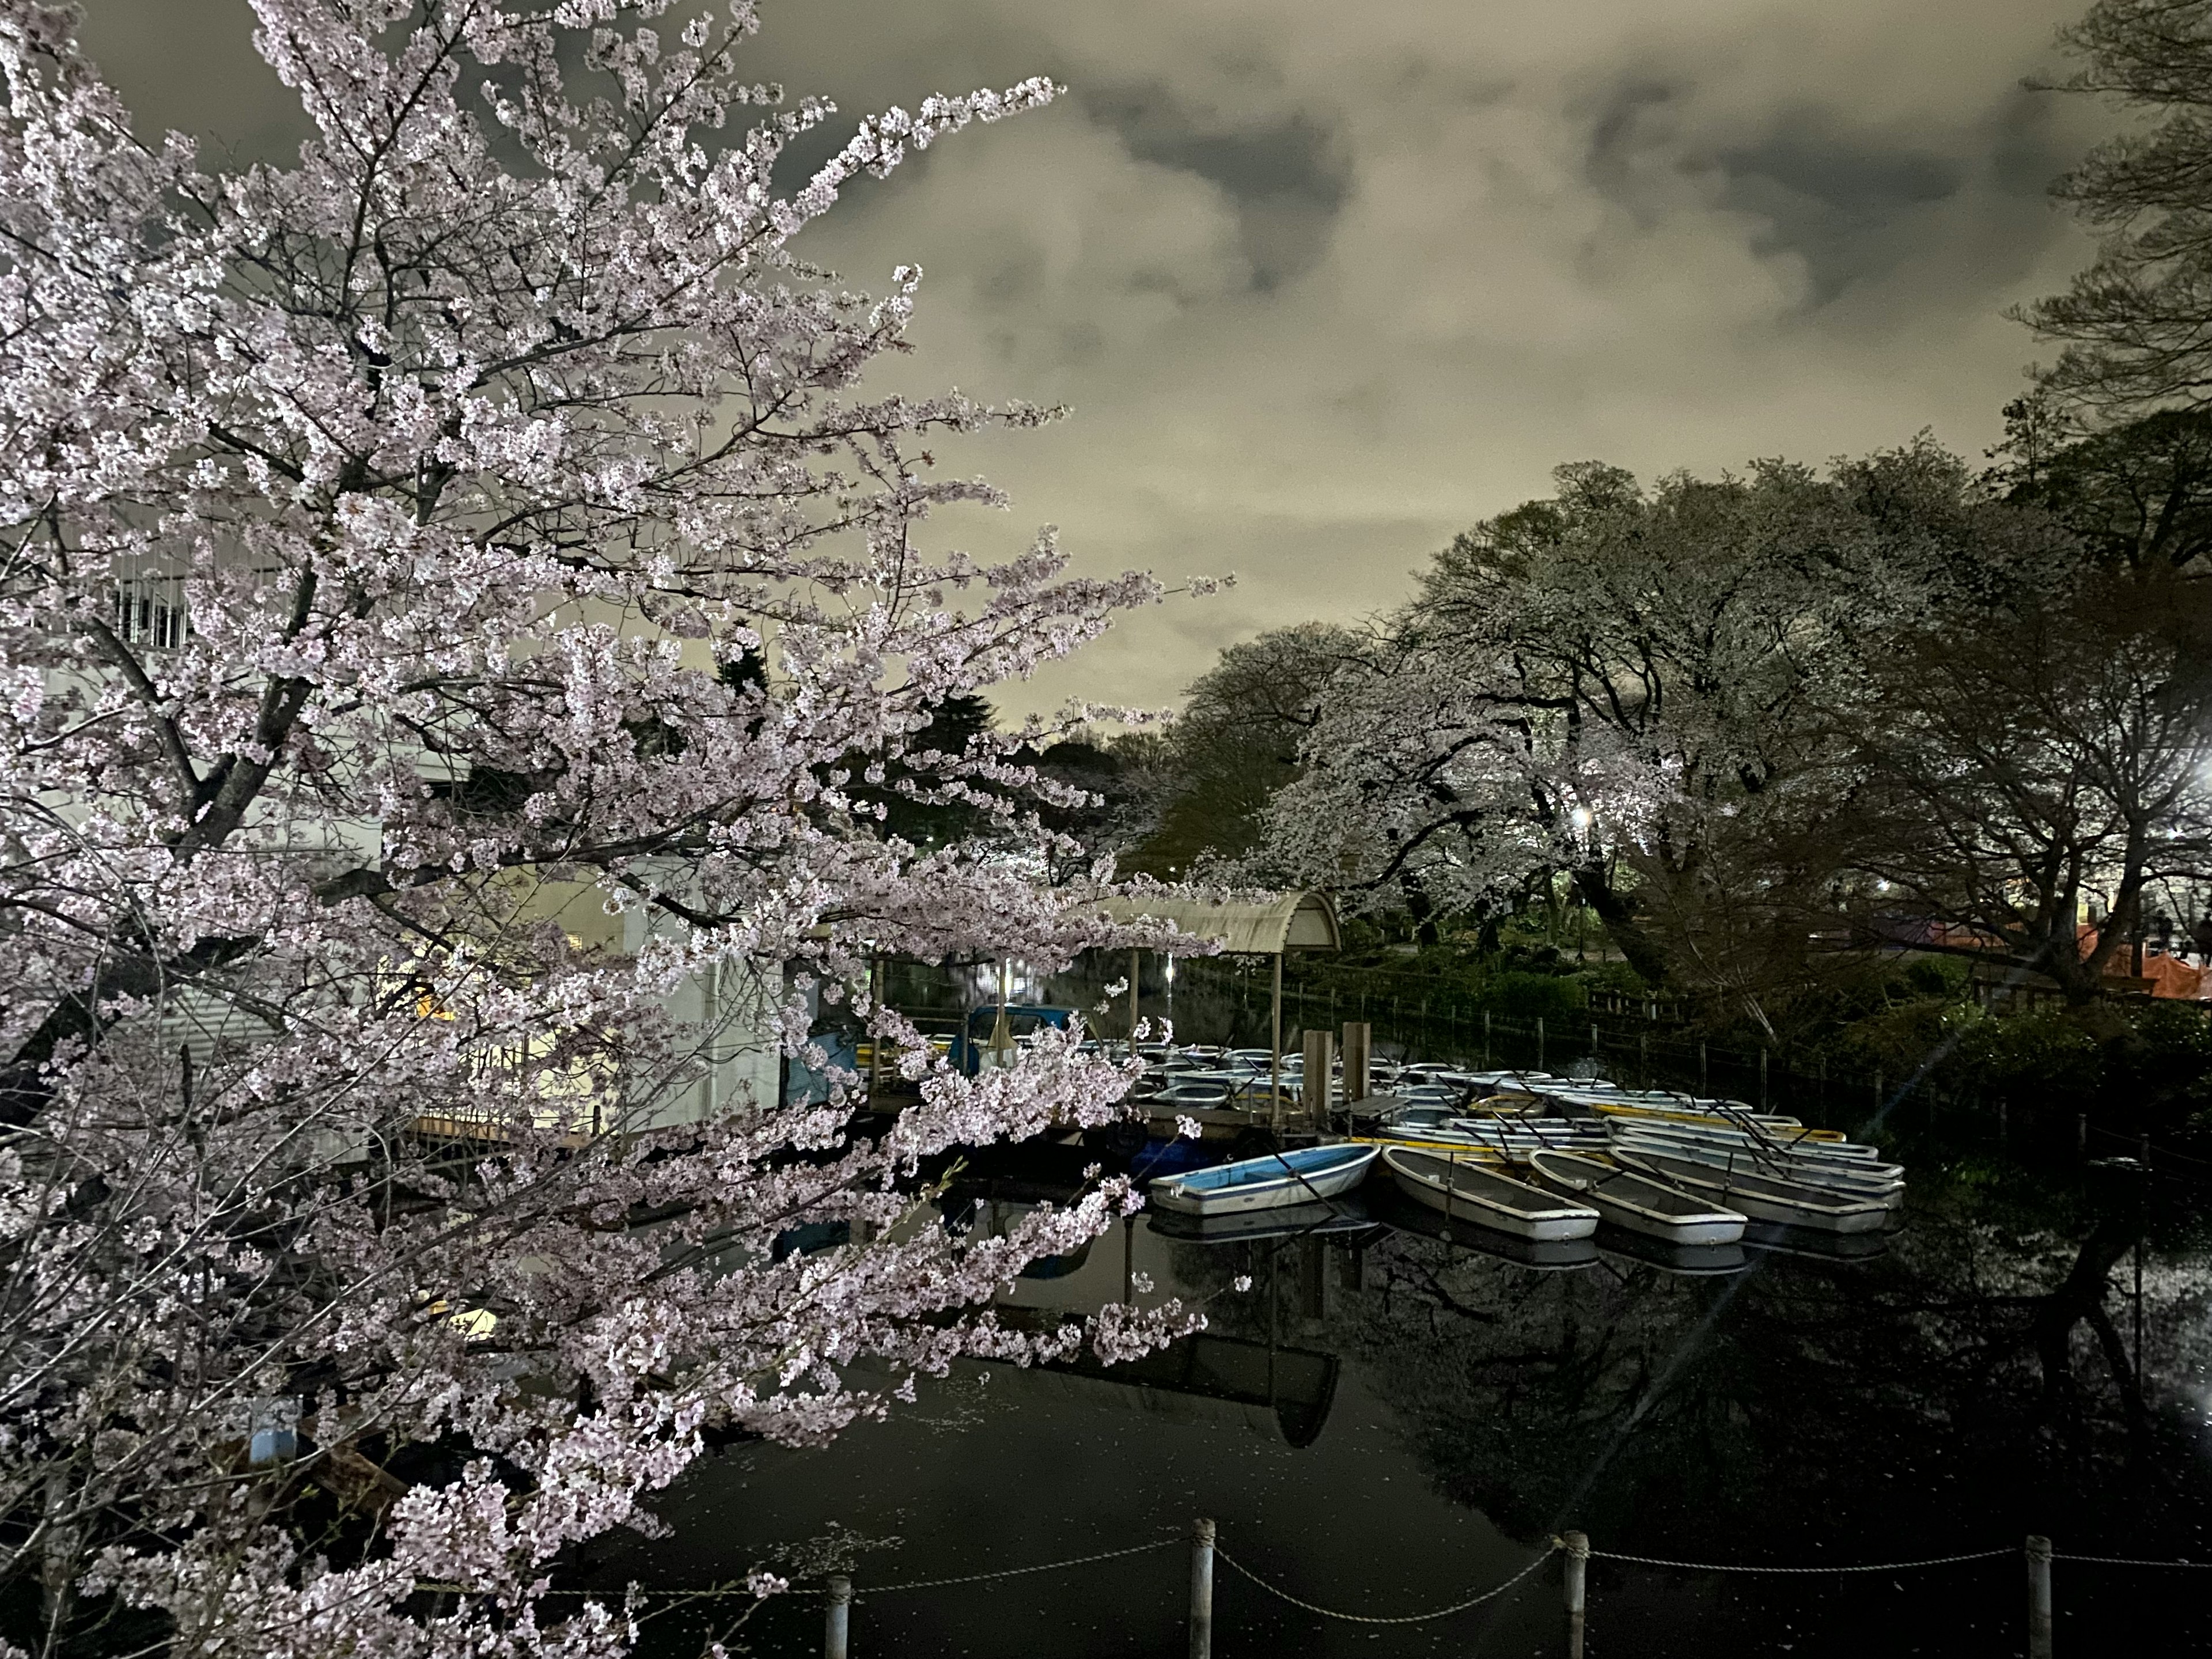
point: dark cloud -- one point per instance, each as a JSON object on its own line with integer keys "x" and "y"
{"x": 1836, "y": 198}
{"x": 1286, "y": 177}
{"x": 1325, "y": 283}
{"x": 1854, "y": 202}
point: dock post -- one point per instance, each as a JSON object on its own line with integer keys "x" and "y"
{"x": 837, "y": 1619}
{"x": 1275, "y": 1053}
{"x": 1577, "y": 1546}
{"x": 1486, "y": 1039}
{"x": 1316, "y": 1081}
{"x": 2081, "y": 1134}
{"x": 1359, "y": 1060}
{"x": 2039, "y": 1597}
{"x": 1540, "y": 1043}
{"x": 1201, "y": 1588}
{"x": 1762, "y": 1080}
{"x": 1704, "y": 1073}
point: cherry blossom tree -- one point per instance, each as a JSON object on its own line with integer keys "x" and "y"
{"x": 1648, "y": 693}
{"x": 457, "y": 595}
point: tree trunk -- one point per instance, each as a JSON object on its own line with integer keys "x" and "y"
{"x": 1617, "y": 913}
{"x": 1424, "y": 912}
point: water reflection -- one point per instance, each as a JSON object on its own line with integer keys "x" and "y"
{"x": 1402, "y": 1405}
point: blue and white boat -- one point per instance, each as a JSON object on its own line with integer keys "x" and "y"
{"x": 1302, "y": 1176}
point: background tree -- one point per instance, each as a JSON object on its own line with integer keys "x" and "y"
{"x": 453, "y": 587}
{"x": 2138, "y": 495}
{"x": 1237, "y": 740}
{"x": 1636, "y": 689}
{"x": 2040, "y": 764}
{"x": 2136, "y": 326}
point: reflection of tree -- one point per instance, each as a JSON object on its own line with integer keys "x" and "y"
{"x": 1970, "y": 1384}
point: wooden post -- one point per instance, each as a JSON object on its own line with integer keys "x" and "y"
{"x": 875, "y": 1042}
{"x": 1319, "y": 1047}
{"x": 1877, "y": 1089}
{"x": 1359, "y": 1060}
{"x": 1643, "y": 1058}
{"x": 837, "y": 1619}
{"x": 2081, "y": 1134}
{"x": 1704, "y": 1077}
{"x": 1275, "y": 1058}
{"x": 1762, "y": 1080}
{"x": 2039, "y": 1597}
{"x": 1578, "y": 1569}
{"x": 1540, "y": 1043}
{"x": 1136, "y": 970}
{"x": 1201, "y": 1587}
{"x": 1486, "y": 1039}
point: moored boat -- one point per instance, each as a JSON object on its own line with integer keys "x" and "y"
{"x": 1851, "y": 1177}
{"x": 1638, "y": 1202}
{"x": 1758, "y": 1196}
{"x": 1265, "y": 1183}
{"x": 1468, "y": 1190}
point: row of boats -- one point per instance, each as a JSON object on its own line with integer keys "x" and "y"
{"x": 1546, "y": 1159}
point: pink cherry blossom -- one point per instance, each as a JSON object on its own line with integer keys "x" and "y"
{"x": 457, "y": 600}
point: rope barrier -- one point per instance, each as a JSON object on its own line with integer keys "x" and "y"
{"x": 859, "y": 1590}
{"x": 1873, "y": 1566}
{"x": 862, "y": 1591}
{"x": 1403, "y": 1618}
{"x": 2126, "y": 1561}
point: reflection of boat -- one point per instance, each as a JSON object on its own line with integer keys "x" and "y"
{"x": 1343, "y": 1215}
{"x": 1404, "y": 1215}
{"x": 1772, "y": 1239}
{"x": 1692, "y": 1260}
{"x": 1274, "y": 1181}
{"x": 1762, "y": 1197}
{"x": 1461, "y": 1188}
{"x": 1638, "y": 1202}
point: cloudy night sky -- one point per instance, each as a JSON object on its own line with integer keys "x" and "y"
{"x": 1322, "y": 284}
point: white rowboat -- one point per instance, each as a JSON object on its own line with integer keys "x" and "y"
{"x": 1265, "y": 1183}
{"x": 1469, "y": 1191}
{"x": 1638, "y": 1202}
{"x": 1763, "y": 1197}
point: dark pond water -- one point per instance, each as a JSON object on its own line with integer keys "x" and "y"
{"x": 1394, "y": 1417}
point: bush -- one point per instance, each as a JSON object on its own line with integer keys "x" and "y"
{"x": 1520, "y": 995}
{"x": 2039, "y": 1055}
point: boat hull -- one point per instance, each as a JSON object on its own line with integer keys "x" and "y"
{"x": 1755, "y": 1197}
{"x": 1260, "y": 1188}
{"x": 1637, "y": 1204}
{"x": 1494, "y": 1200}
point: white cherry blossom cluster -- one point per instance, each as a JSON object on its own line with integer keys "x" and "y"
{"x": 455, "y": 598}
